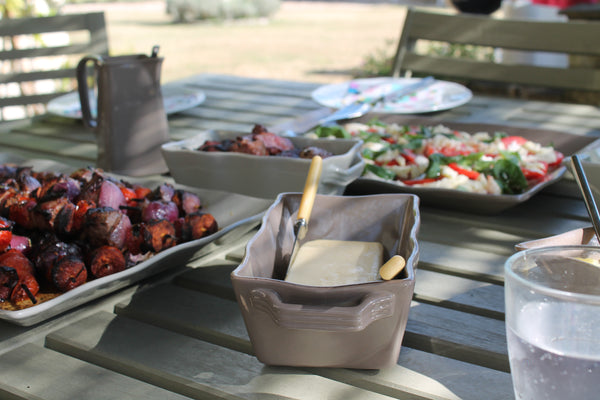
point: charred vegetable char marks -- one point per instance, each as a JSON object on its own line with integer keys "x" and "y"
{"x": 261, "y": 142}
{"x": 59, "y": 231}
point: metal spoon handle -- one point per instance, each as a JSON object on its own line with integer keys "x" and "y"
{"x": 588, "y": 197}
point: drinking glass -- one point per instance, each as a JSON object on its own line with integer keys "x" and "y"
{"x": 552, "y": 297}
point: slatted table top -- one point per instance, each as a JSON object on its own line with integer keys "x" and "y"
{"x": 180, "y": 334}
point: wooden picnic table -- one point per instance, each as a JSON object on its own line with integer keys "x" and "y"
{"x": 180, "y": 334}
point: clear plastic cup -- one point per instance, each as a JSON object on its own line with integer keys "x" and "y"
{"x": 552, "y": 299}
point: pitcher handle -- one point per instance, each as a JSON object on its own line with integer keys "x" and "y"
{"x": 82, "y": 88}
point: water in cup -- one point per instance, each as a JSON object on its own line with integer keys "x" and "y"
{"x": 553, "y": 325}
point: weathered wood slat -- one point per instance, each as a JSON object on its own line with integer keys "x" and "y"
{"x": 51, "y": 375}
{"x": 579, "y": 78}
{"x": 242, "y": 115}
{"x": 459, "y": 293}
{"x": 193, "y": 126}
{"x": 479, "y": 265}
{"x": 197, "y": 369}
{"x": 194, "y": 314}
{"x": 500, "y": 235}
{"x": 302, "y": 89}
{"x": 49, "y": 147}
{"x": 471, "y": 338}
{"x": 95, "y": 42}
{"x": 224, "y": 99}
{"x": 498, "y": 33}
{"x": 71, "y": 130}
{"x": 427, "y": 326}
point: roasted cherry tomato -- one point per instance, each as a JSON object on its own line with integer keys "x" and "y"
{"x": 5, "y": 234}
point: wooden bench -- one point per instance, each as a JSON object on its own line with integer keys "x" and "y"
{"x": 577, "y": 38}
{"x": 39, "y": 57}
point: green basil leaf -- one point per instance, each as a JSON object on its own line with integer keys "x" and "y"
{"x": 509, "y": 177}
{"x": 335, "y": 131}
{"x": 380, "y": 171}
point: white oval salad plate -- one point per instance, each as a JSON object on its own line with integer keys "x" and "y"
{"x": 461, "y": 199}
{"x": 176, "y": 98}
{"x": 441, "y": 95}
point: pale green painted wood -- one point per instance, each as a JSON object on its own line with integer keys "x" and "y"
{"x": 189, "y": 366}
{"x": 55, "y": 376}
{"x": 467, "y": 337}
{"x": 458, "y": 293}
{"x": 458, "y": 307}
{"x": 95, "y": 43}
{"x": 477, "y": 264}
{"x": 219, "y": 321}
{"x": 570, "y": 37}
{"x": 446, "y": 329}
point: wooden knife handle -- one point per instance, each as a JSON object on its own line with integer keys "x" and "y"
{"x": 310, "y": 188}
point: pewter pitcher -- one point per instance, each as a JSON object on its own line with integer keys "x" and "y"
{"x": 131, "y": 122}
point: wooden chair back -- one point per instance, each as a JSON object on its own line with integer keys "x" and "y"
{"x": 575, "y": 38}
{"x": 38, "y": 58}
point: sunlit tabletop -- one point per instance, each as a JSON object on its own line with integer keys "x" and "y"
{"x": 180, "y": 334}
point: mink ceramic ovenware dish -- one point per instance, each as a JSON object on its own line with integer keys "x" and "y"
{"x": 351, "y": 326}
{"x": 261, "y": 176}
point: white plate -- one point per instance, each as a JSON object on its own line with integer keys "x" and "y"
{"x": 441, "y": 95}
{"x": 479, "y": 203}
{"x": 230, "y": 210}
{"x": 245, "y": 174}
{"x": 176, "y": 98}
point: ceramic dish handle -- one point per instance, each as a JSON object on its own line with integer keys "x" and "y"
{"x": 373, "y": 307}
{"x": 343, "y": 177}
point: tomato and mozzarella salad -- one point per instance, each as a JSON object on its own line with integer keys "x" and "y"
{"x": 440, "y": 157}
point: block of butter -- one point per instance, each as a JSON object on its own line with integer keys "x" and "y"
{"x": 336, "y": 262}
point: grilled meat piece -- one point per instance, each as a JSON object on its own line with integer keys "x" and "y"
{"x": 50, "y": 250}
{"x": 135, "y": 239}
{"x": 247, "y": 145}
{"x": 197, "y": 225}
{"x": 17, "y": 260}
{"x": 158, "y": 235}
{"x": 8, "y": 280}
{"x": 216, "y": 145}
{"x": 106, "y": 260}
{"x": 274, "y": 144}
{"x": 43, "y": 216}
{"x": 105, "y": 226}
{"x": 68, "y": 273}
{"x": 311, "y": 151}
{"x": 27, "y": 286}
{"x": 20, "y": 212}
{"x": 60, "y": 186}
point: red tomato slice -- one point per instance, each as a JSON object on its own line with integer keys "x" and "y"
{"x": 510, "y": 140}
{"x": 419, "y": 181}
{"x": 535, "y": 174}
{"x": 469, "y": 173}
{"x": 409, "y": 156}
{"x": 128, "y": 193}
{"x": 559, "y": 159}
